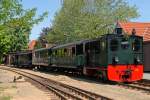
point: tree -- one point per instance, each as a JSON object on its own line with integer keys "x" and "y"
{"x": 15, "y": 25}
{"x": 79, "y": 19}
{"x": 42, "y": 40}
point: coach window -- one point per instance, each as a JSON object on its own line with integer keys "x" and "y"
{"x": 79, "y": 49}
{"x": 59, "y": 52}
{"x": 70, "y": 51}
{"x": 49, "y": 52}
{"x": 136, "y": 45}
{"x": 53, "y": 53}
{"x": 37, "y": 54}
{"x": 97, "y": 47}
{"x": 65, "y": 52}
{"x": 56, "y": 53}
{"x": 114, "y": 45}
{"x": 62, "y": 53}
{"x": 73, "y": 51}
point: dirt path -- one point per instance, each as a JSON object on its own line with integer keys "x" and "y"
{"x": 21, "y": 90}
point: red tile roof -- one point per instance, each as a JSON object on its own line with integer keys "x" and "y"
{"x": 142, "y": 29}
{"x": 32, "y": 44}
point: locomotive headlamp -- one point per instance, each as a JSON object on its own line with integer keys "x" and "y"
{"x": 115, "y": 60}
{"x": 138, "y": 59}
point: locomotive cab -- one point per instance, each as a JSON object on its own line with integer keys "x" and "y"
{"x": 125, "y": 58}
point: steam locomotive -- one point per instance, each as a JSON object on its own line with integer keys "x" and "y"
{"x": 113, "y": 57}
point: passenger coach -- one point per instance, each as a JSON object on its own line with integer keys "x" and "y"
{"x": 40, "y": 57}
{"x": 22, "y": 58}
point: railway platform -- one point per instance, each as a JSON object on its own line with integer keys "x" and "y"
{"x": 146, "y": 76}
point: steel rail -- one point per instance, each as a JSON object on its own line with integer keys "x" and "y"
{"x": 136, "y": 86}
{"x": 62, "y": 94}
{"x": 144, "y": 82}
{"x": 63, "y": 91}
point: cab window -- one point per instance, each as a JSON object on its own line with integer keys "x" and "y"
{"x": 136, "y": 45}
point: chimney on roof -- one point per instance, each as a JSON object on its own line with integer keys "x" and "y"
{"x": 133, "y": 31}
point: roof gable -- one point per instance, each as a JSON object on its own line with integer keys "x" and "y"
{"x": 32, "y": 44}
{"x": 142, "y": 29}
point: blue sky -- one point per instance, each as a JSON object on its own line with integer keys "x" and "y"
{"x": 52, "y": 6}
{"x": 143, "y": 9}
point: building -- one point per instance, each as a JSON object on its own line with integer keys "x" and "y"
{"x": 32, "y": 44}
{"x": 142, "y": 29}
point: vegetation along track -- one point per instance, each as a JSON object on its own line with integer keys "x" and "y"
{"x": 142, "y": 85}
{"x": 63, "y": 91}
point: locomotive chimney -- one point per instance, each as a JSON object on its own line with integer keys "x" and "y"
{"x": 133, "y": 31}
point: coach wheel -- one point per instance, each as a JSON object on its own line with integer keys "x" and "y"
{"x": 39, "y": 67}
{"x": 36, "y": 68}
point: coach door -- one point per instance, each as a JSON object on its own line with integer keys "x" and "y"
{"x": 79, "y": 55}
{"x": 92, "y": 53}
{"x": 87, "y": 54}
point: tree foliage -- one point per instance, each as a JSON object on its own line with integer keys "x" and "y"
{"x": 43, "y": 40}
{"x": 15, "y": 25}
{"x": 79, "y": 19}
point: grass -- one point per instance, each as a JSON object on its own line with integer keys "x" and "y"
{"x": 14, "y": 86}
{"x": 2, "y": 89}
{"x": 5, "y": 98}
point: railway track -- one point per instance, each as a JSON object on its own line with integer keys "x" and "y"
{"x": 62, "y": 91}
{"x": 142, "y": 85}
{"x": 143, "y": 82}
